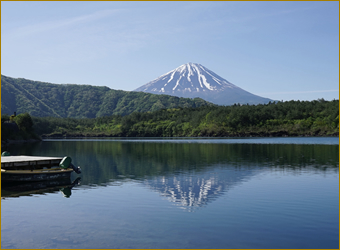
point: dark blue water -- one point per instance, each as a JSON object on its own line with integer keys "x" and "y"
{"x": 180, "y": 193}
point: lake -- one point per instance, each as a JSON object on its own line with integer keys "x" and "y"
{"x": 179, "y": 193}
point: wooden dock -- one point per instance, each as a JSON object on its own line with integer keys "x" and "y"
{"x": 13, "y": 162}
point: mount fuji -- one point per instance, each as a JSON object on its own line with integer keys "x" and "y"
{"x": 194, "y": 80}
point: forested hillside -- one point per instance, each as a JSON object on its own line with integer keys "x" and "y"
{"x": 293, "y": 118}
{"x": 42, "y": 99}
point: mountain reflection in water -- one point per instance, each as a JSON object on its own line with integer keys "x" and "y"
{"x": 192, "y": 190}
{"x": 189, "y": 174}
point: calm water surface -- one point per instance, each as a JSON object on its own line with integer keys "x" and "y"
{"x": 179, "y": 193}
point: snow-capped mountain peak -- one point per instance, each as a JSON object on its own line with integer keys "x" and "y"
{"x": 190, "y": 77}
{"x": 195, "y": 80}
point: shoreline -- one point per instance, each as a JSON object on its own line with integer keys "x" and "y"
{"x": 9, "y": 142}
{"x": 229, "y": 136}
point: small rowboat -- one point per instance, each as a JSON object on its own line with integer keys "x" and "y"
{"x": 36, "y": 168}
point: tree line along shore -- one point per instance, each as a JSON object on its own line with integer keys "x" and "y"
{"x": 291, "y": 118}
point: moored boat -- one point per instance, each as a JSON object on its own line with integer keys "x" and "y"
{"x": 36, "y": 168}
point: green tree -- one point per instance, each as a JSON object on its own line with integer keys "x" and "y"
{"x": 24, "y": 122}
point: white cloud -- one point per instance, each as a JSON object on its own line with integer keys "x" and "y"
{"x": 52, "y": 25}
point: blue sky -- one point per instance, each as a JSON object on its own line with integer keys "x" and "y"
{"x": 285, "y": 50}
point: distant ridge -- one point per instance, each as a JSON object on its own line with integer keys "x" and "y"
{"x": 80, "y": 101}
{"x": 194, "y": 80}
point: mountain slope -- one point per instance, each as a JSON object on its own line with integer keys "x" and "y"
{"x": 80, "y": 101}
{"x": 194, "y": 80}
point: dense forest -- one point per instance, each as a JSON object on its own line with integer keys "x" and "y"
{"x": 291, "y": 118}
{"x": 42, "y": 99}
